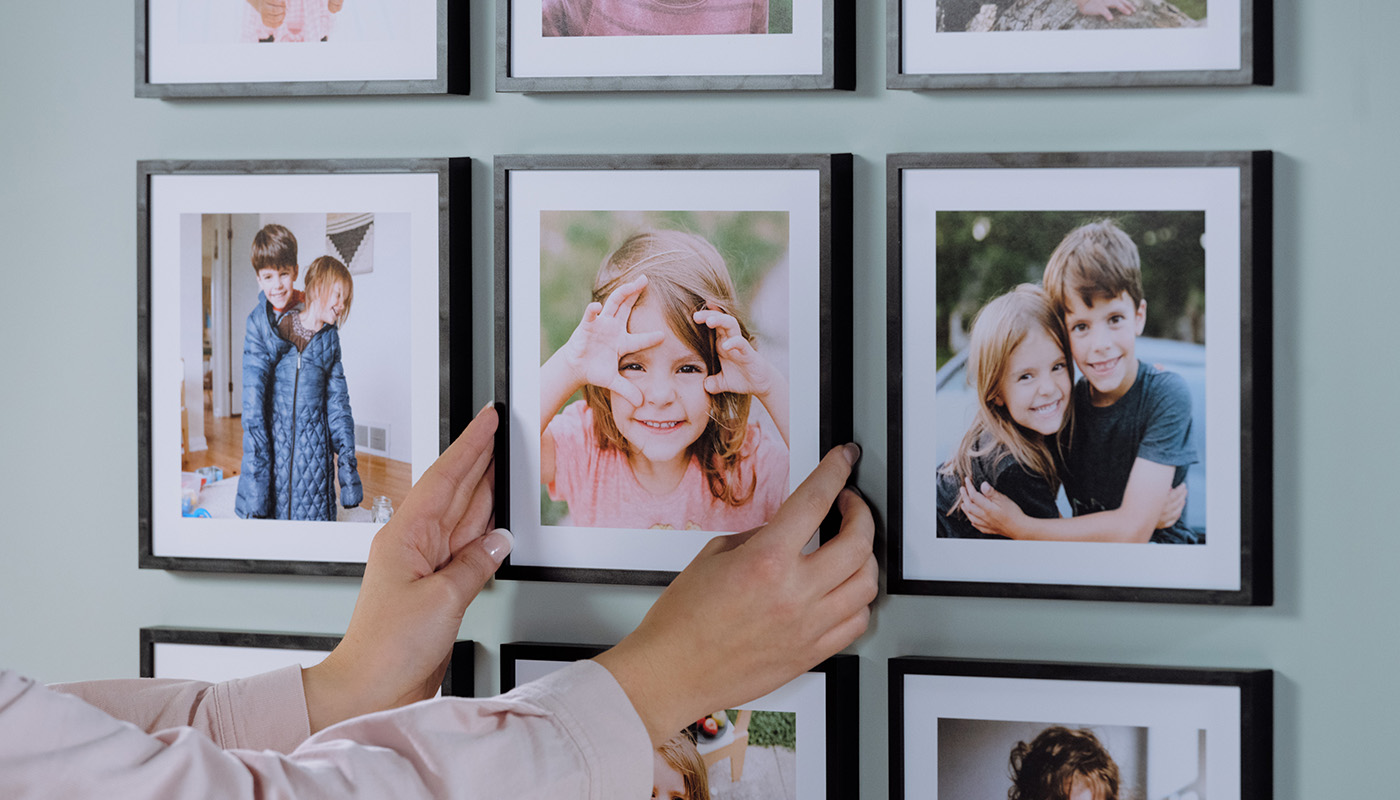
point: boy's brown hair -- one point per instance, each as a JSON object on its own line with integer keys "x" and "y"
{"x": 274, "y": 247}
{"x": 323, "y": 274}
{"x": 1046, "y": 768}
{"x": 1097, "y": 261}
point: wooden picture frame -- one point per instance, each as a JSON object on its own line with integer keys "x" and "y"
{"x": 187, "y": 48}
{"x": 987, "y": 222}
{"x": 785, "y": 221}
{"x": 394, "y": 356}
{"x": 764, "y": 742}
{"x": 969, "y": 728}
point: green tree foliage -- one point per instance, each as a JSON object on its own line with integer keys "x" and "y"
{"x": 770, "y": 728}
{"x": 982, "y": 254}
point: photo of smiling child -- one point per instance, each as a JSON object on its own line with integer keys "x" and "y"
{"x": 663, "y": 404}
{"x": 1124, "y": 440}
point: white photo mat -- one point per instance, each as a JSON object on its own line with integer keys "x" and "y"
{"x": 925, "y": 50}
{"x": 173, "y": 197}
{"x": 805, "y": 696}
{"x": 196, "y": 41}
{"x": 1214, "y": 190}
{"x": 928, "y": 698}
{"x": 534, "y": 55}
{"x": 532, "y": 191}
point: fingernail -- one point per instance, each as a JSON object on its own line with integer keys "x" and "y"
{"x": 483, "y": 408}
{"x": 498, "y": 544}
{"x": 852, "y": 453}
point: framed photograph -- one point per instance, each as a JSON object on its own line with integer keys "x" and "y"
{"x": 989, "y": 728}
{"x": 1074, "y": 339}
{"x": 677, "y": 330}
{"x": 295, "y": 326}
{"x": 260, "y": 48}
{"x": 1019, "y": 44}
{"x": 214, "y": 656}
{"x": 799, "y": 742}
{"x": 616, "y": 46}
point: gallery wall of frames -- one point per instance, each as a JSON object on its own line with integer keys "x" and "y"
{"x": 1072, "y": 337}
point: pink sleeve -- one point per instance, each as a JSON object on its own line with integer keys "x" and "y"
{"x": 571, "y": 734}
{"x": 572, "y": 430}
{"x": 772, "y": 463}
{"x": 264, "y": 712}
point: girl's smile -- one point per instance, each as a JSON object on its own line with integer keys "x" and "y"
{"x": 675, "y": 409}
{"x": 1035, "y": 388}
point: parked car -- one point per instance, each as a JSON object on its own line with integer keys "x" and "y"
{"x": 954, "y": 403}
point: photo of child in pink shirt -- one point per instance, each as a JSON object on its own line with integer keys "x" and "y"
{"x": 666, "y": 433}
{"x": 290, "y": 20}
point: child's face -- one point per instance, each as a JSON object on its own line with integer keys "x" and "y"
{"x": 667, "y": 783}
{"x": 1035, "y": 387}
{"x": 327, "y": 306}
{"x": 676, "y": 408}
{"x": 276, "y": 283}
{"x": 1103, "y": 338}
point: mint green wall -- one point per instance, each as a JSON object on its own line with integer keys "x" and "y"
{"x": 72, "y": 131}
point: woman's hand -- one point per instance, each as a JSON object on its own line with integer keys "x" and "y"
{"x": 601, "y": 339}
{"x": 425, "y": 566}
{"x": 759, "y": 609}
{"x": 990, "y": 511}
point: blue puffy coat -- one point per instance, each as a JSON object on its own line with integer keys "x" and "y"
{"x": 296, "y": 420}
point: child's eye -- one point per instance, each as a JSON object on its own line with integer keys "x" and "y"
{"x": 629, "y": 365}
{"x": 1059, "y": 365}
{"x": 1079, "y": 327}
{"x": 690, "y": 368}
{"x": 1115, "y": 319}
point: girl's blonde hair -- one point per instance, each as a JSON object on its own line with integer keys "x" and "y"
{"x": 684, "y": 274}
{"x": 680, "y": 754}
{"x": 997, "y": 331}
{"x": 323, "y": 274}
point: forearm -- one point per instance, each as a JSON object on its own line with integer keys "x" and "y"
{"x": 776, "y": 401}
{"x": 558, "y": 381}
{"x": 1117, "y": 525}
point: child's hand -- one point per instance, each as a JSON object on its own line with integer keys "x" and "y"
{"x": 273, "y": 12}
{"x": 602, "y": 339}
{"x": 1105, "y": 8}
{"x": 334, "y": 6}
{"x": 741, "y": 369}
{"x": 1171, "y": 510}
{"x": 989, "y": 511}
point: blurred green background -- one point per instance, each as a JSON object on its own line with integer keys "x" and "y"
{"x": 770, "y": 728}
{"x": 573, "y": 244}
{"x": 982, "y": 254}
{"x": 780, "y": 16}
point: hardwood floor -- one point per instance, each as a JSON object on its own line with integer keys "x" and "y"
{"x": 378, "y": 475}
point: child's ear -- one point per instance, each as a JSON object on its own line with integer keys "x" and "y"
{"x": 1140, "y": 317}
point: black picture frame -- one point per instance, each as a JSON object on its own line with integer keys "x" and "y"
{"x": 451, "y": 63}
{"x": 425, "y": 205}
{"x": 983, "y": 704}
{"x": 813, "y": 190}
{"x": 922, "y": 53}
{"x": 1234, "y": 191}
{"x": 458, "y": 681}
{"x": 824, "y": 59}
{"x": 837, "y": 698}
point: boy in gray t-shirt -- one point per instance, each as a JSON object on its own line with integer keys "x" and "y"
{"x": 1131, "y": 441}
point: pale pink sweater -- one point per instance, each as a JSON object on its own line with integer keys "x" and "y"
{"x": 570, "y": 734}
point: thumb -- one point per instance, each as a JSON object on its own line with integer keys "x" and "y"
{"x": 474, "y": 565}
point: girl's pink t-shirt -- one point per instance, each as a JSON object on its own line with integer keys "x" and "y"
{"x": 602, "y": 492}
